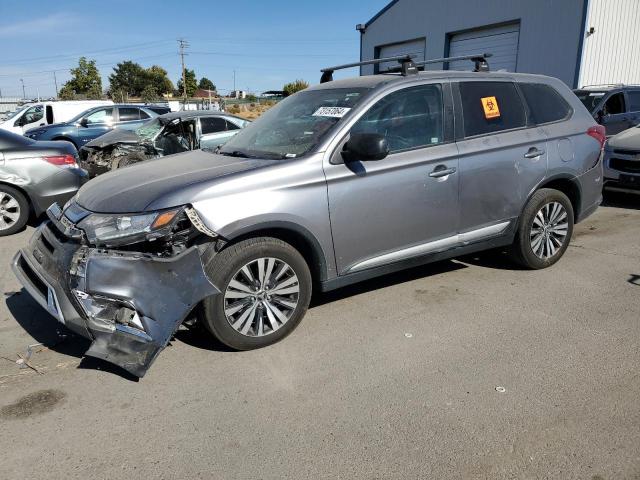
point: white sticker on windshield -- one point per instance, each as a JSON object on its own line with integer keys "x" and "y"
{"x": 336, "y": 112}
{"x": 597, "y": 94}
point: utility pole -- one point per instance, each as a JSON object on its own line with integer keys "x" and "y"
{"x": 55, "y": 80}
{"x": 183, "y": 44}
{"x": 234, "y": 82}
{"x": 24, "y": 95}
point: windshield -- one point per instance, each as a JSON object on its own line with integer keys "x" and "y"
{"x": 13, "y": 114}
{"x": 149, "y": 129}
{"x": 294, "y": 126}
{"x": 589, "y": 98}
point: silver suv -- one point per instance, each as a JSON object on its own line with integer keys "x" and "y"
{"x": 341, "y": 182}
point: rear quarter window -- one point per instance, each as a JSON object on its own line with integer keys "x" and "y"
{"x": 545, "y": 103}
{"x": 490, "y": 107}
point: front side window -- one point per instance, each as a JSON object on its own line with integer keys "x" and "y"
{"x": 33, "y": 114}
{"x": 212, "y": 125}
{"x": 491, "y": 107}
{"x": 296, "y": 125}
{"x": 589, "y": 98}
{"x": 614, "y": 105}
{"x": 129, "y": 114}
{"x": 545, "y": 103}
{"x": 104, "y": 115}
{"x": 409, "y": 118}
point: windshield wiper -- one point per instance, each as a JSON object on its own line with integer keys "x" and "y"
{"x": 235, "y": 153}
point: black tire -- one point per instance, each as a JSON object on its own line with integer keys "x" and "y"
{"x": 523, "y": 250}
{"x": 222, "y": 267}
{"x": 16, "y": 224}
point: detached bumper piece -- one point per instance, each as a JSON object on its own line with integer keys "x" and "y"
{"x": 128, "y": 303}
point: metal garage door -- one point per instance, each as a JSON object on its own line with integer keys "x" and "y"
{"x": 502, "y": 42}
{"x": 415, "y": 48}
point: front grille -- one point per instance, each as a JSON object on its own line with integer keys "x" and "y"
{"x": 46, "y": 243}
{"x": 622, "y": 165}
{"x": 33, "y": 277}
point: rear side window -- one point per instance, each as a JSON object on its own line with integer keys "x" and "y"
{"x": 232, "y": 126}
{"x": 129, "y": 114}
{"x": 634, "y": 100}
{"x": 545, "y": 103}
{"x": 491, "y": 107}
{"x": 212, "y": 125}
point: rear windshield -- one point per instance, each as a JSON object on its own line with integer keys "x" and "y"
{"x": 589, "y": 98}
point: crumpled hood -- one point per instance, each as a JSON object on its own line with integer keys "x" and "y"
{"x": 629, "y": 139}
{"x": 163, "y": 183}
{"x": 118, "y": 135}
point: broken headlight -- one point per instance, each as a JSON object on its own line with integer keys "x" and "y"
{"x": 113, "y": 230}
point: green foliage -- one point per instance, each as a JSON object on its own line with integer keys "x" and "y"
{"x": 131, "y": 79}
{"x": 192, "y": 84}
{"x": 252, "y": 98}
{"x": 85, "y": 82}
{"x": 293, "y": 87}
{"x": 206, "y": 84}
{"x": 149, "y": 94}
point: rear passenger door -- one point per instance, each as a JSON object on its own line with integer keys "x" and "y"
{"x": 500, "y": 159}
{"x": 129, "y": 118}
{"x": 214, "y": 132}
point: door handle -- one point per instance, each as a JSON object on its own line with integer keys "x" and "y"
{"x": 533, "y": 153}
{"x": 442, "y": 171}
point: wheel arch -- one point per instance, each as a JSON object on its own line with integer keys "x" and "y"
{"x": 565, "y": 184}
{"x": 32, "y": 205}
{"x": 296, "y": 235}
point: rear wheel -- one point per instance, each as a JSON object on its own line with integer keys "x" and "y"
{"x": 14, "y": 210}
{"x": 265, "y": 289}
{"x": 545, "y": 229}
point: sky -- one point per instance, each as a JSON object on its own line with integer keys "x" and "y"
{"x": 267, "y": 43}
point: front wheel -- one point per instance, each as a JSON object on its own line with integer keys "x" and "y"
{"x": 545, "y": 229}
{"x": 265, "y": 289}
{"x": 14, "y": 210}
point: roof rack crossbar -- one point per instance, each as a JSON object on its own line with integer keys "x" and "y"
{"x": 480, "y": 60}
{"x": 407, "y": 66}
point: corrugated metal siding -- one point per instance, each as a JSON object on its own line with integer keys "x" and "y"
{"x": 612, "y": 53}
{"x": 415, "y": 48}
{"x": 501, "y": 42}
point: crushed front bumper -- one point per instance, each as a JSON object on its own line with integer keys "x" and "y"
{"x": 128, "y": 304}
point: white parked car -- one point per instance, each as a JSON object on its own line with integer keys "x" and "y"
{"x": 46, "y": 113}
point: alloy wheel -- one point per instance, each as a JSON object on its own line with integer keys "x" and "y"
{"x": 261, "y": 297}
{"x": 549, "y": 230}
{"x": 9, "y": 211}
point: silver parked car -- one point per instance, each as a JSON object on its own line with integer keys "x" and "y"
{"x": 338, "y": 183}
{"x": 622, "y": 162}
{"x": 33, "y": 175}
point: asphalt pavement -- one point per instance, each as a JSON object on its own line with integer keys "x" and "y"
{"x": 469, "y": 368}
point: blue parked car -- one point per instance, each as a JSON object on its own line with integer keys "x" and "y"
{"x": 92, "y": 123}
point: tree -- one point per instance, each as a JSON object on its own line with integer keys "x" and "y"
{"x": 293, "y": 87}
{"x": 127, "y": 79}
{"x": 131, "y": 79}
{"x": 192, "y": 84}
{"x": 206, "y": 84}
{"x": 157, "y": 78}
{"x": 85, "y": 81}
{"x": 149, "y": 94}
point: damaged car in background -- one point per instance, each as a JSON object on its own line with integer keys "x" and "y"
{"x": 167, "y": 134}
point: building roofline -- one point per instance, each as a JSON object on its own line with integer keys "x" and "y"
{"x": 381, "y": 12}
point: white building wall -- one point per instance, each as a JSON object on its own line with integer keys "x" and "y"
{"x": 612, "y": 53}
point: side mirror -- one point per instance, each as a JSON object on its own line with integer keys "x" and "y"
{"x": 84, "y": 122}
{"x": 365, "y": 146}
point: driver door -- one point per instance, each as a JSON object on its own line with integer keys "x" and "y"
{"x": 405, "y": 205}
{"x": 32, "y": 118}
{"x": 96, "y": 123}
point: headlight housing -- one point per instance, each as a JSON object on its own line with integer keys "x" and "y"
{"x": 114, "y": 230}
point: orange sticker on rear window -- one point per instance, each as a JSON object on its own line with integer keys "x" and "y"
{"x": 490, "y": 106}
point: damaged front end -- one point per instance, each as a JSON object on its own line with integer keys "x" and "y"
{"x": 127, "y": 294}
{"x": 99, "y": 159}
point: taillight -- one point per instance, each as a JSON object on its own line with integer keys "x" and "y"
{"x": 599, "y": 133}
{"x": 62, "y": 161}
